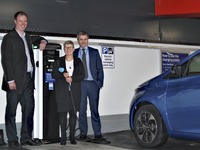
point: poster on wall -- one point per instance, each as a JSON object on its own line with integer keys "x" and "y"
{"x": 108, "y": 57}
{"x": 169, "y": 59}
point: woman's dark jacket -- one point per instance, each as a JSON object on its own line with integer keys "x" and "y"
{"x": 68, "y": 100}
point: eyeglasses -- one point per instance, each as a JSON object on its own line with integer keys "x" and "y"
{"x": 69, "y": 47}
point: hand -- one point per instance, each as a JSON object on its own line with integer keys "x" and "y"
{"x": 12, "y": 86}
{"x": 69, "y": 79}
{"x": 66, "y": 75}
{"x": 43, "y": 44}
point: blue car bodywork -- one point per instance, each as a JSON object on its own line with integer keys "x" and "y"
{"x": 176, "y": 98}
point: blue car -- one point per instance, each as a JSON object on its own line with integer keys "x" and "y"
{"x": 168, "y": 105}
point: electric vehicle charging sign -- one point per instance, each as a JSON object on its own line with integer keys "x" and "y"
{"x": 108, "y": 60}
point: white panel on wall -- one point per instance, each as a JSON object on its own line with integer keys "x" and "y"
{"x": 133, "y": 66}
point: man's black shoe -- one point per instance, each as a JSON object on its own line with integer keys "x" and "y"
{"x": 84, "y": 138}
{"x": 100, "y": 140}
{"x": 14, "y": 145}
{"x": 63, "y": 143}
{"x": 73, "y": 141}
{"x": 31, "y": 142}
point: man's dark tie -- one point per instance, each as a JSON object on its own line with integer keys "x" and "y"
{"x": 84, "y": 63}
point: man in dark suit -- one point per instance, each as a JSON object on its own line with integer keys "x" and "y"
{"x": 18, "y": 80}
{"x": 90, "y": 88}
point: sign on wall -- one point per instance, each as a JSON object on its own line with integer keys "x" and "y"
{"x": 108, "y": 57}
{"x": 169, "y": 59}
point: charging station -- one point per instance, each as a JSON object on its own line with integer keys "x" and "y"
{"x": 46, "y": 123}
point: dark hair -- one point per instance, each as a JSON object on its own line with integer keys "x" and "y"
{"x": 82, "y": 33}
{"x": 20, "y": 13}
{"x": 68, "y": 42}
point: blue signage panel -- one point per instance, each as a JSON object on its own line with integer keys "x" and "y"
{"x": 169, "y": 59}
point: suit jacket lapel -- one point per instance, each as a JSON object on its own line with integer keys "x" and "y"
{"x": 90, "y": 57}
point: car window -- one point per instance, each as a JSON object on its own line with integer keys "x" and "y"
{"x": 189, "y": 68}
{"x": 194, "y": 66}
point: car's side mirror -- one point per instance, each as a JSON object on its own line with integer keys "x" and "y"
{"x": 176, "y": 70}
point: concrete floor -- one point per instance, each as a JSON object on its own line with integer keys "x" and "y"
{"x": 122, "y": 140}
{"x": 79, "y": 146}
{"x": 116, "y": 130}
